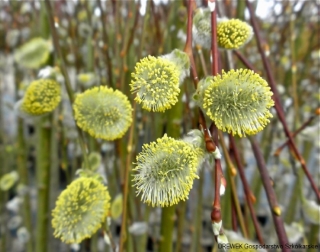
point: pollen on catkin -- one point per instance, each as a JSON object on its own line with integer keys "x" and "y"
{"x": 237, "y": 101}
{"x": 103, "y": 112}
{"x": 156, "y": 83}
{"x": 33, "y": 54}
{"x": 80, "y": 210}
{"x": 165, "y": 171}
{"x": 233, "y": 33}
{"x": 42, "y": 96}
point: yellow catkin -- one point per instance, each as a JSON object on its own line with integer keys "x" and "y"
{"x": 156, "y": 83}
{"x": 42, "y": 96}
{"x": 165, "y": 171}
{"x": 233, "y": 33}
{"x": 237, "y": 101}
{"x": 103, "y": 112}
{"x": 80, "y": 210}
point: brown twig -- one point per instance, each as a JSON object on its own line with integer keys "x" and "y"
{"x": 276, "y": 212}
{"x": 234, "y": 221}
{"x": 294, "y": 134}
{"x": 214, "y": 44}
{"x": 216, "y": 211}
{"x": 248, "y": 194}
{"x": 244, "y": 61}
{"x": 188, "y": 50}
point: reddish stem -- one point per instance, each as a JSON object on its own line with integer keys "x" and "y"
{"x": 278, "y": 223}
{"x": 188, "y": 50}
{"x": 245, "y": 61}
{"x": 218, "y": 170}
{"x": 217, "y": 176}
{"x": 234, "y": 216}
{"x": 246, "y": 188}
{"x": 302, "y": 127}
{"x": 214, "y": 44}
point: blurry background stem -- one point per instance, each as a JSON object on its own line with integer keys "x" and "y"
{"x": 274, "y": 207}
{"x": 24, "y": 180}
{"x": 43, "y": 162}
{"x": 126, "y": 182}
{"x": 64, "y": 71}
{"x": 3, "y": 170}
{"x": 197, "y": 213}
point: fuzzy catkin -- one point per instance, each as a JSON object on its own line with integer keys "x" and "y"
{"x": 165, "y": 171}
{"x": 238, "y": 101}
{"x": 103, "y": 112}
{"x": 42, "y": 96}
{"x": 80, "y": 210}
{"x": 156, "y": 83}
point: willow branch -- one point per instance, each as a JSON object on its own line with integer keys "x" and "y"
{"x": 214, "y": 44}
{"x": 294, "y": 134}
{"x": 248, "y": 194}
{"x": 275, "y": 209}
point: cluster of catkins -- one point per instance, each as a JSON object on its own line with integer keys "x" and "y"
{"x": 238, "y": 101}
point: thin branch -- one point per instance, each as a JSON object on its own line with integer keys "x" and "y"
{"x": 214, "y": 44}
{"x": 246, "y": 187}
{"x": 275, "y": 209}
{"x": 244, "y": 61}
{"x": 294, "y": 134}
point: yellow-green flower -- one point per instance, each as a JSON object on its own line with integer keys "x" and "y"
{"x": 33, "y": 54}
{"x": 237, "y": 101}
{"x": 103, "y": 112}
{"x": 42, "y": 96}
{"x": 8, "y": 180}
{"x": 156, "y": 82}
{"x": 233, "y": 33}
{"x": 80, "y": 210}
{"x": 165, "y": 171}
